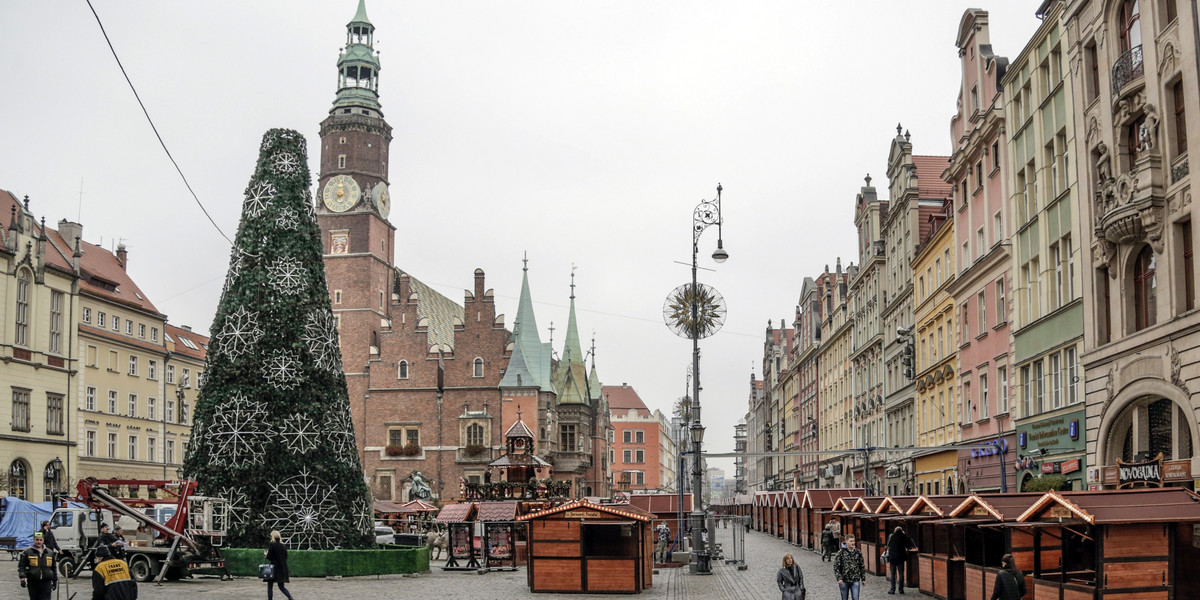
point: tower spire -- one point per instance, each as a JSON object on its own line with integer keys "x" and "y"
{"x": 358, "y": 68}
{"x": 572, "y": 351}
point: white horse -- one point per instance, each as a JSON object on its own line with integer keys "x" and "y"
{"x": 436, "y": 539}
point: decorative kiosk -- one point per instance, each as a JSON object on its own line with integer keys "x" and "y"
{"x": 587, "y": 547}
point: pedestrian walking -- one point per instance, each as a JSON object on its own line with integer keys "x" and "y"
{"x": 1010, "y": 582}
{"x": 277, "y": 556}
{"x": 790, "y": 579}
{"x": 110, "y": 577}
{"x": 898, "y": 547}
{"x": 48, "y": 538}
{"x": 36, "y": 569}
{"x": 849, "y": 569}
{"x": 828, "y": 543}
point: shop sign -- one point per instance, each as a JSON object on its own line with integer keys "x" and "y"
{"x": 1073, "y": 429}
{"x": 1094, "y": 487}
{"x": 1022, "y": 439}
{"x": 1111, "y": 476}
{"x": 1177, "y": 470}
{"x": 1049, "y": 467}
{"x": 1140, "y": 474}
{"x": 1070, "y": 466}
{"x": 1093, "y": 475}
{"x": 990, "y": 449}
{"x": 583, "y": 514}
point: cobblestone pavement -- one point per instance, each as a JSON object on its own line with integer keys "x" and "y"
{"x": 763, "y": 556}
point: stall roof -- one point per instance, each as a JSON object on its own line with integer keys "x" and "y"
{"x": 845, "y": 504}
{"x": 895, "y": 505}
{"x": 827, "y": 498}
{"x": 520, "y": 460}
{"x": 1001, "y": 507}
{"x": 1148, "y": 505}
{"x": 661, "y": 504}
{"x": 383, "y": 506}
{"x": 420, "y": 506}
{"x": 938, "y": 505}
{"x": 745, "y": 499}
{"x": 496, "y": 511}
{"x": 620, "y": 510}
{"x": 456, "y": 513}
{"x": 760, "y": 498}
{"x": 867, "y": 504}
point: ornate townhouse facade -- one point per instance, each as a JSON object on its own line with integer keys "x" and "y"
{"x": 867, "y": 357}
{"x": 835, "y": 421}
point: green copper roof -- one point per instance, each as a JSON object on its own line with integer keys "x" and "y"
{"x": 361, "y": 15}
{"x": 571, "y": 378}
{"x": 529, "y": 365}
{"x": 594, "y": 383}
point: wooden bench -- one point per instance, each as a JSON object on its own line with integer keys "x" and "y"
{"x": 9, "y": 544}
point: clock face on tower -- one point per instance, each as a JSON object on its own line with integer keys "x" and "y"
{"x": 382, "y": 199}
{"x": 341, "y": 193}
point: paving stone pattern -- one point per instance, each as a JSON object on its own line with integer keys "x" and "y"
{"x": 763, "y": 557}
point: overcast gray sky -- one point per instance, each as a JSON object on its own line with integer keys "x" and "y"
{"x": 580, "y": 132}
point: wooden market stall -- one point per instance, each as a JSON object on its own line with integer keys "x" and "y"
{"x": 1141, "y": 544}
{"x": 886, "y": 511}
{"x": 816, "y": 510}
{"x": 586, "y": 547}
{"x": 841, "y": 514}
{"x": 866, "y": 529}
{"x": 503, "y": 543}
{"x": 966, "y": 544}
{"x": 666, "y": 510}
{"x": 759, "y": 511}
{"x": 459, "y": 518}
{"x": 923, "y": 508}
{"x": 791, "y": 515}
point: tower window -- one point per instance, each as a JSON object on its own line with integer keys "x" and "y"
{"x": 402, "y": 370}
{"x": 342, "y": 140}
{"x": 478, "y": 367}
{"x": 342, "y": 161}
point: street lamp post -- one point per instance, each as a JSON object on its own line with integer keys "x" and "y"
{"x": 1000, "y": 450}
{"x": 706, "y": 213}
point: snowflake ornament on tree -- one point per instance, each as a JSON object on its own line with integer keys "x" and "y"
{"x": 239, "y": 505}
{"x": 281, "y": 370}
{"x": 301, "y": 434}
{"x": 287, "y": 219}
{"x": 237, "y": 432}
{"x": 285, "y": 163}
{"x": 305, "y": 511}
{"x": 321, "y": 339}
{"x": 341, "y": 434}
{"x": 287, "y": 275}
{"x": 240, "y": 333}
{"x": 258, "y": 196}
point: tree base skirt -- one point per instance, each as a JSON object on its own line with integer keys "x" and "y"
{"x": 385, "y": 560}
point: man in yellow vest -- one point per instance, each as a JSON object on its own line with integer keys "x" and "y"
{"x": 36, "y": 569}
{"x": 111, "y": 579}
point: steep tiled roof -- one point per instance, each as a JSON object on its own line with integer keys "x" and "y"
{"x": 622, "y": 398}
{"x": 440, "y": 310}
{"x": 179, "y": 334}
{"x": 929, "y": 176}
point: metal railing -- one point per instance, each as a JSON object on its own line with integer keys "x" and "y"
{"x": 1127, "y": 68}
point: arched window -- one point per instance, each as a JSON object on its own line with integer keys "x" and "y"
{"x": 478, "y": 367}
{"x": 1130, "y": 25}
{"x": 18, "y": 479}
{"x": 1161, "y": 426}
{"x": 402, "y": 370}
{"x": 21, "y": 337}
{"x": 1145, "y": 290}
{"x": 475, "y": 434}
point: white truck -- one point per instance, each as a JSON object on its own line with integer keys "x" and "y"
{"x": 164, "y": 541}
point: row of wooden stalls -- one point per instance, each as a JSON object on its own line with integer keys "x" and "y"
{"x": 1138, "y": 544}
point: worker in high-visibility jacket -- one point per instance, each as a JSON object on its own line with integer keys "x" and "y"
{"x": 36, "y": 569}
{"x": 111, "y": 579}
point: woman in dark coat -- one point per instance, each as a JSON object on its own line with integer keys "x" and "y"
{"x": 790, "y": 579}
{"x": 1010, "y": 582}
{"x": 277, "y": 556}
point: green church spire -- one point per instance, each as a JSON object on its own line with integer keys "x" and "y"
{"x": 530, "y": 362}
{"x": 358, "y": 69}
{"x": 570, "y": 380}
{"x": 573, "y": 351}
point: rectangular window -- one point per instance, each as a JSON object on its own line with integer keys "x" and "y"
{"x": 112, "y": 445}
{"x": 1056, "y": 386}
{"x": 566, "y": 438}
{"x": 54, "y": 414}
{"x": 627, "y": 456}
{"x": 1056, "y": 288}
{"x": 1026, "y": 393}
{"x": 112, "y": 402}
{"x": 639, "y": 456}
{"x": 142, "y": 330}
{"x": 56, "y": 299}
{"x": 1189, "y": 266}
{"x": 1039, "y": 382}
{"x": 20, "y": 409}
{"x": 412, "y": 436}
{"x": 1023, "y": 216}
{"x": 966, "y": 325}
{"x": 116, "y": 321}
{"x": 133, "y": 447}
{"x": 169, "y": 411}
{"x": 171, "y": 374}
{"x": 979, "y": 175}
{"x": 998, "y": 226}
{"x": 132, "y": 405}
{"x": 90, "y": 444}
{"x": 341, "y": 161}
{"x": 1002, "y": 401}
{"x": 639, "y": 437}
{"x": 90, "y": 399}
{"x": 968, "y": 403}
{"x": 133, "y": 365}
{"x": 100, "y": 320}
{"x": 1035, "y": 289}
{"x": 995, "y": 155}
{"x": 1104, "y": 316}
{"x": 128, "y": 327}
{"x": 87, "y": 315}
{"x": 628, "y": 436}
{"x": 1072, "y": 375}
{"x": 113, "y": 361}
{"x": 981, "y": 301}
{"x": 152, "y": 369}
{"x": 151, "y": 408}
{"x": 983, "y": 396}
{"x": 1180, "y": 119}
{"x": 980, "y": 244}
{"x": 151, "y": 446}
{"x": 22, "y": 322}
{"x": 1001, "y": 307}
{"x": 170, "y": 451}
{"x": 1049, "y": 158}
{"x": 154, "y": 334}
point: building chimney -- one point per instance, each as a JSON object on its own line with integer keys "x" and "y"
{"x": 69, "y": 231}
{"x": 122, "y": 256}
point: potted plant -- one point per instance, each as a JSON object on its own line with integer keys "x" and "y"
{"x": 410, "y": 449}
{"x": 394, "y": 450}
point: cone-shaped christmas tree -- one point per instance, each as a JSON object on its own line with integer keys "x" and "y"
{"x": 272, "y": 432}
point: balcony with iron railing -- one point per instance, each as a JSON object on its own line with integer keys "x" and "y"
{"x": 1127, "y": 69}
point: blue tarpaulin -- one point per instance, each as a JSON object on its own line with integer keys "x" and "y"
{"x": 21, "y": 519}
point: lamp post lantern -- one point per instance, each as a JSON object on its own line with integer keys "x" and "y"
{"x": 696, "y": 312}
